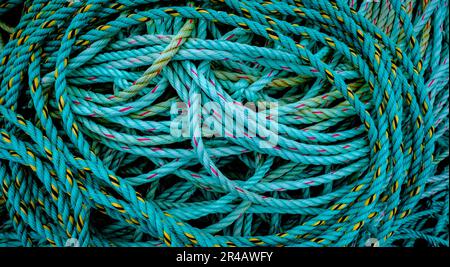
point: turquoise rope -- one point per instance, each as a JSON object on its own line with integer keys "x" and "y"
{"x": 88, "y": 91}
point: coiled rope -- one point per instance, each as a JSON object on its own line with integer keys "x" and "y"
{"x": 86, "y": 108}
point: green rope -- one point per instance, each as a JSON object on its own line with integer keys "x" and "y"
{"x": 224, "y": 123}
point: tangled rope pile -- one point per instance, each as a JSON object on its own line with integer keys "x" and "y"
{"x": 87, "y": 95}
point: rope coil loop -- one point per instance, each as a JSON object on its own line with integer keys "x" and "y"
{"x": 224, "y": 123}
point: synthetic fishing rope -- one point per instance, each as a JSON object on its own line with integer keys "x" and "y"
{"x": 224, "y": 122}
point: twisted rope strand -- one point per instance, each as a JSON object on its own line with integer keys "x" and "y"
{"x": 150, "y": 123}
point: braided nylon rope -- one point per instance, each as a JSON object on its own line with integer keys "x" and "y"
{"x": 91, "y": 89}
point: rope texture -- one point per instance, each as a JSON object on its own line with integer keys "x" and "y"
{"x": 86, "y": 108}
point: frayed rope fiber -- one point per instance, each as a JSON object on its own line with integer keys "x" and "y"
{"x": 91, "y": 91}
